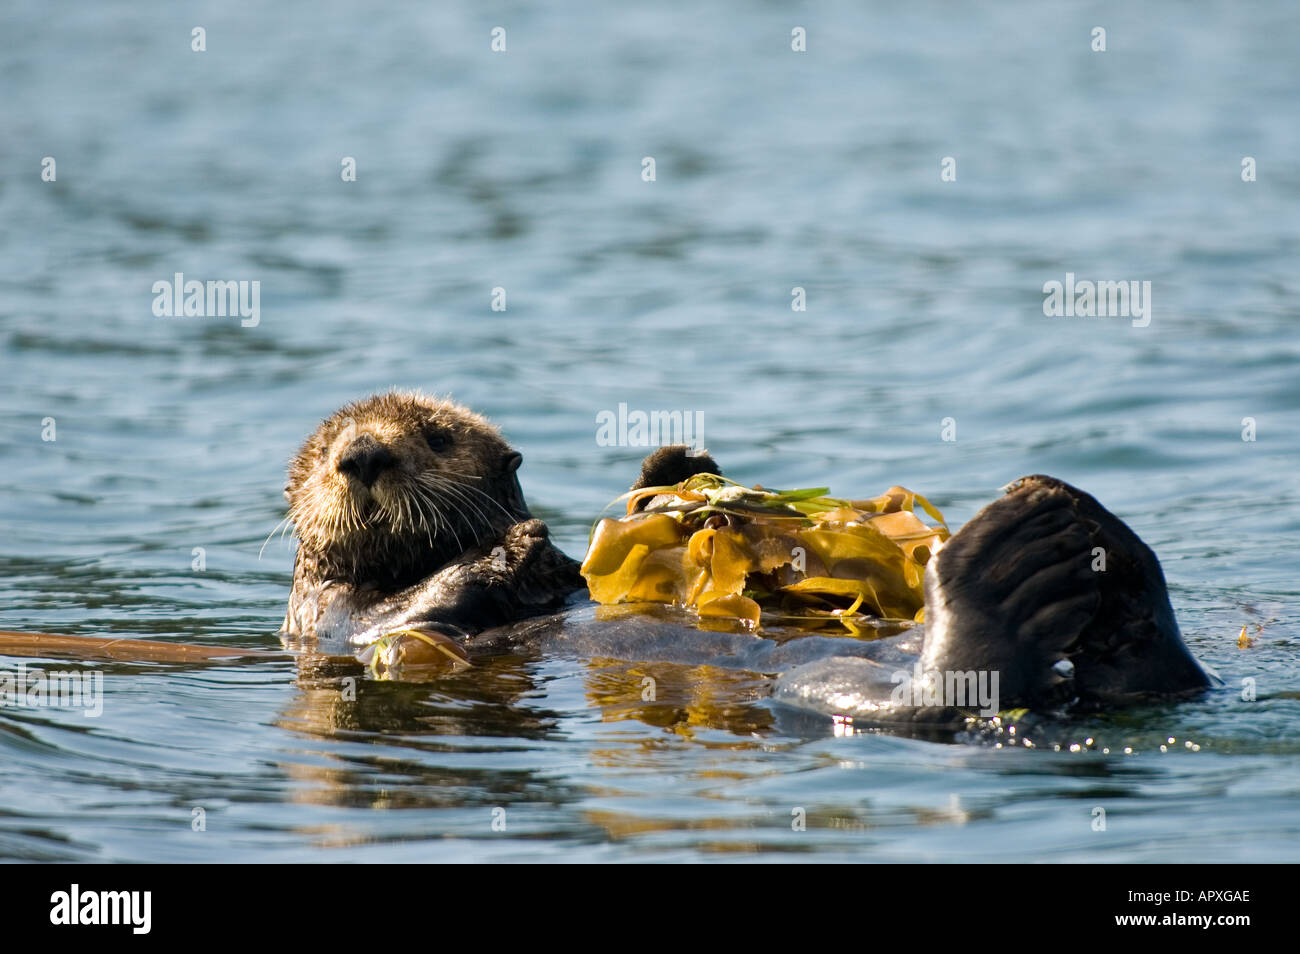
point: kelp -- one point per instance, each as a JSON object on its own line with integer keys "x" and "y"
{"x": 417, "y": 648}
{"x": 748, "y": 554}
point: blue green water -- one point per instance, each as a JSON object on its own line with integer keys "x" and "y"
{"x": 523, "y": 170}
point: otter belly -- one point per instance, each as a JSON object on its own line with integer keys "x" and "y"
{"x": 654, "y": 632}
{"x": 827, "y": 674}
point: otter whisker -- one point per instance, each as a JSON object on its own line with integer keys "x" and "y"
{"x": 447, "y": 521}
{"x": 281, "y": 526}
{"x": 464, "y": 518}
{"x": 455, "y": 492}
{"x": 421, "y": 503}
{"x": 458, "y": 480}
{"x": 426, "y": 510}
{"x": 427, "y": 506}
{"x": 408, "y": 518}
{"x": 459, "y": 491}
{"x": 435, "y": 495}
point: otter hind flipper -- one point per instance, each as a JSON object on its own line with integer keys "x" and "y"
{"x": 1015, "y": 592}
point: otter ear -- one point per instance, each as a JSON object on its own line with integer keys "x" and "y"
{"x": 512, "y": 493}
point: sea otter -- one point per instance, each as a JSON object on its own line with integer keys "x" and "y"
{"x": 410, "y": 516}
{"x": 408, "y": 508}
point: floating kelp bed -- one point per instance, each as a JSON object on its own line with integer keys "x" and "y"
{"x": 748, "y": 554}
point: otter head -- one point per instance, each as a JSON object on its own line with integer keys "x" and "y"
{"x": 392, "y": 487}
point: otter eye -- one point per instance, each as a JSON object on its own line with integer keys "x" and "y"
{"x": 438, "y": 440}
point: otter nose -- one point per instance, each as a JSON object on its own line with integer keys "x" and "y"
{"x": 365, "y": 459}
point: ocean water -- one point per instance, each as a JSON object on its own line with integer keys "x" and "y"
{"x": 522, "y": 170}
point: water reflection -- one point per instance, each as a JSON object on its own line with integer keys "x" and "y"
{"x": 679, "y": 698}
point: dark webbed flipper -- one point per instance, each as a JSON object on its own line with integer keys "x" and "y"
{"x": 1015, "y": 592}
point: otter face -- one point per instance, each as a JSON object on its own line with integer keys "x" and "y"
{"x": 390, "y": 488}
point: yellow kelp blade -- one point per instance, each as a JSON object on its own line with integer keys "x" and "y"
{"x": 613, "y": 540}
{"x": 730, "y": 551}
{"x": 730, "y": 606}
